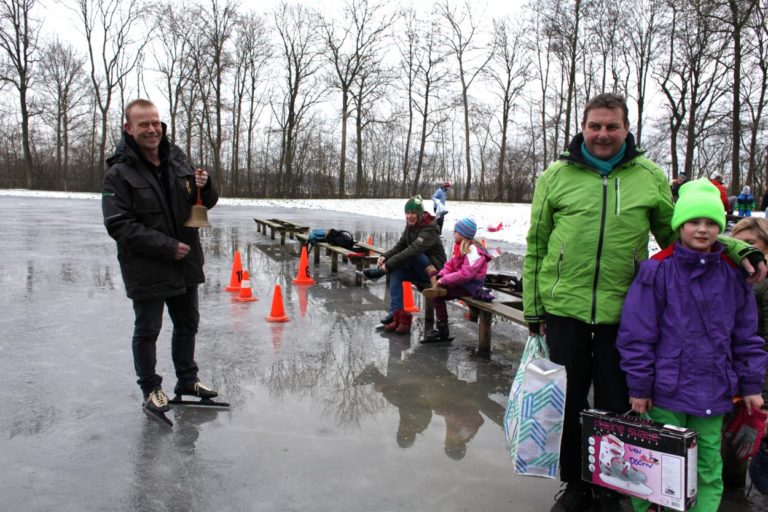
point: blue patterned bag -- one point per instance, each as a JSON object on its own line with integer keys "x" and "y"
{"x": 533, "y": 422}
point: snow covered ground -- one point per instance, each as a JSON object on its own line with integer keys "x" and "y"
{"x": 514, "y": 217}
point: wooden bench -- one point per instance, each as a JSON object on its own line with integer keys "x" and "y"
{"x": 281, "y": 226}
{"x": 361, "y": 261}
{"x": 482, "y": 312}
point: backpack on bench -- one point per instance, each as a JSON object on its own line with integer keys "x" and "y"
{"x": 315, "y": 236}
{"x": 340, "y": 239}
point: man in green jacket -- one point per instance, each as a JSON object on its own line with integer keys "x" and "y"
{"x": 590, "y": 218}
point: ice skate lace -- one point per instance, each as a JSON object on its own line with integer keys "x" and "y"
{"x": 159, "y": 398}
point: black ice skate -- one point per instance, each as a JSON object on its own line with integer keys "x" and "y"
{"x": 156, "y": 404}
{"x": 205, "y": 393}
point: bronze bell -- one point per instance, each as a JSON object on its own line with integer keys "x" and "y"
{"x": 198, "y": 218}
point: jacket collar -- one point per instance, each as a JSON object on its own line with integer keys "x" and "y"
{"x": 574, "y": 153}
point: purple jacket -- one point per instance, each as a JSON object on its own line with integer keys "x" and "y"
{"x": 467, "y": 271}
{"x": 688, "y": 335}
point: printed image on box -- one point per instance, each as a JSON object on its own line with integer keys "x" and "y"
{"x": 640, "y": 458}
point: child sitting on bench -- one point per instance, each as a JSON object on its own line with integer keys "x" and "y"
{"x": 462, "y": 275}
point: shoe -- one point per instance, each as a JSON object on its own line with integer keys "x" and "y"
{"x": 391, "y": 326}
{"x": 196, "y": 389}
{"x": 438, "y": 334}
{"x": 435, "y": 291}
{"x": 573, "y": 498}
{"x": 373, "y": 273}
{"x": 609, "y": 501}
{"x": 156, "y": 401}
{"x": 388, "y": 319}
{"x": 404, "y": 323}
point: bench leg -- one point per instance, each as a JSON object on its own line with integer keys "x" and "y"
{"x": 472, "y": 314}
{"x": 359, "y": 274}
{"x": 290, "y": 235}
{"x": 334, "y": 262}
{"x": 317, "y": 255}
{"x": 282, "y": 237}
{"x": 272, "y": 233}
{"x": 484, "y": 332}
{"x": 429, "y": 312}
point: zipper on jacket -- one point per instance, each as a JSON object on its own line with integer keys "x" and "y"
{"x": 599, "y": 249}
{"x": 559, "y": 265}
{"x": 618, "y": 196}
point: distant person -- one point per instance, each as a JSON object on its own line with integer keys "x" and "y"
{"x": 438, "y": 203}
{"x": 688, "y": 336}
{"x": 147, "y": 196}
{"x": 717, "y": 181}
{"x": 676, "y": 184}
{"x": 462, "y": 275}
{"x": 583, "y": 247}
{"x": 745, "y": 202}
{"x": 417, "y": 254}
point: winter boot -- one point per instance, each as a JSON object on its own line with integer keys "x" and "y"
{"x": 439, "y": 334}
{"x": 391, "y": 326}
{"x": 404, "y": 324}
{"x": 435, "y": 291}
{"x": 156, "y": 401}
{"x": 195, "y": 389}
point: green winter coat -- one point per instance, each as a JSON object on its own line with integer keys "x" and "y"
{"x": 589, "y": 233}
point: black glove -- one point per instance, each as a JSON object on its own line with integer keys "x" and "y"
{"x": 753, "y": 255}
{"x": 534, "y": 328}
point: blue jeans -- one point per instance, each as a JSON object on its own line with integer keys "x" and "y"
{"x": 412, "y": 271}
{"x": 149, "y": 319}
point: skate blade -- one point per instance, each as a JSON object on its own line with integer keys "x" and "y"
{"x": 448, "y": 340}
{"x": 202, "y": 402}
{"x": 158, "y": 416}
{"x": 634, "y": 487}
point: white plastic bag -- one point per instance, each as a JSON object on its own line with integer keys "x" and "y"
{"x": 533, "y": 422}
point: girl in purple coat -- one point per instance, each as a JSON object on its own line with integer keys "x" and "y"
{"x": 462, "y": 275}
{"x": 688, "y": 335}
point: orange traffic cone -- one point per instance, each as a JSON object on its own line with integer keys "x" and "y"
{"x": 237, "y": 274}
{"x": 408, "y": 304}
{"x": 246, "y": 294}
{"x": 302, "y": 276}
{"x": 278, "y": 311}
{"x": 370, "y": 242}
{"x": 303, "y": 292}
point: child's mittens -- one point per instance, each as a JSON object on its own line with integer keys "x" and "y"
{"x": 745, "y": 431}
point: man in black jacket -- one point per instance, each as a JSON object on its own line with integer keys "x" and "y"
{"x": 147, "y": 196}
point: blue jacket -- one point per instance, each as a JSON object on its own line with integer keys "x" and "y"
{"x": 688, "y": 335}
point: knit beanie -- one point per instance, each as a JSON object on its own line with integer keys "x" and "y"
{"x": 698, "y": 199}
{"x": 415, "y": 204}
{"x": 466, "y": 227}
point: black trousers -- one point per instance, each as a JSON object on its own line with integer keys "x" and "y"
{"x": 589, "y": 355}
{"x": 183, "y": 310}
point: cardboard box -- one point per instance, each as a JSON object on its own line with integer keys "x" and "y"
{"x": 640, "y": 458}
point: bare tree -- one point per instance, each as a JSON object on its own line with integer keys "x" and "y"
{"x": 471, "y": 59}
{"x": 733, "y": 16}
{"x": 300, "y": 51}
{"x": 18, "y": 45}
{"x": 352, "y": 47}
{"x": 642, "y": 32}
{"x": 755, "y": 92}
{"x": 172, "y": 57}
{"x": 65, "y": 83}
{"x": 691, "y": 79}
{"x": 115, "y": 43}
{"x": 510, "y": 74}
{"x": 213, "y": 62}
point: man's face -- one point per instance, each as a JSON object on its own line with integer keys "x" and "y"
{"x": 144, "y": 126}
{"x": 411, "y": 218}
{"x": 604, "y": 132}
